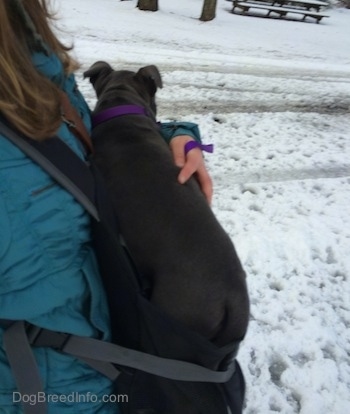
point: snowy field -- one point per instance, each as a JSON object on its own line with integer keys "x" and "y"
{"x": 274, "y": 98}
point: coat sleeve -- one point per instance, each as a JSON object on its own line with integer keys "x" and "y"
{"x": 170, "y": 130}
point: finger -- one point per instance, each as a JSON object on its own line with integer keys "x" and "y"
{"x": 193, "y": 161}
{"x": 205, "y": 183}
{"x": 178, "y": 152}
{"x": 195, "y": 165}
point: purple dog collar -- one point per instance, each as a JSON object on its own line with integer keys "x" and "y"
{"x": 195, "y": 144}
{"x": 121, "y": 110}
{"x": 117, "y": 111}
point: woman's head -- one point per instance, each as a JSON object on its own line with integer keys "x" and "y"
{"x": 27, "y": 99}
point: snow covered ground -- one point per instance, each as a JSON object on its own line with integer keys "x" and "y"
{"x": 274, "y": 98}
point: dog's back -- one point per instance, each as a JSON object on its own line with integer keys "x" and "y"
{"x": 174, "y": 237}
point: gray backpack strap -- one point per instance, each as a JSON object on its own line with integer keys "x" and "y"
{"x": 163, "y": 367}
{"x": 54, "y": 156}
{"x": 20, "y": 336}
{"x": 102, "y": 355}
{"x": 24, "y": 366}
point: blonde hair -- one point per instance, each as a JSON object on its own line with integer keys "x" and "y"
{"x": 29, "y": 100}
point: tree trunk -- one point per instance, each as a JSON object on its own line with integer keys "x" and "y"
{"x": 208, "y": 11}
{"x": 151, "y": 5}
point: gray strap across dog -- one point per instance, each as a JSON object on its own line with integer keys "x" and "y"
{"x": 100, "y": 352}
{"x": 163, "y": 367}
{"x": 100, "y": 355}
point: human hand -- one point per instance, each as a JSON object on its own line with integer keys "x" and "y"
{"x": 190, "y": 164}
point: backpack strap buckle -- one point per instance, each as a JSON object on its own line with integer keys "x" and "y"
{"x": 42, "y": 337}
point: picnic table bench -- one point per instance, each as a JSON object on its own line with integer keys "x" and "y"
{"x": 283, "y": 7}
{"x": 307, "y": 4}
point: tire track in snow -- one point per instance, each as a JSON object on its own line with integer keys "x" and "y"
{"x": 192, "y": 107}
{"x": 285, "y": 176}
{"x": 203, "y": 92}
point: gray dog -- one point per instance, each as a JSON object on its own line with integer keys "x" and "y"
{"x": 175, "y": 240}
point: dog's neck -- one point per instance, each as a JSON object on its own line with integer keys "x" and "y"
{"x": 119, "y": 110}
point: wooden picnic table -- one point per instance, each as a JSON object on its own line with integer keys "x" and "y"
{"x": 282, "y": 7}
{"x": 307, "y": 4}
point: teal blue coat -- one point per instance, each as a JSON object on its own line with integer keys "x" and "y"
{"x": 48, "y": 270}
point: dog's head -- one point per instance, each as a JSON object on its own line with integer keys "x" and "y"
{"x": 145, "y": 82}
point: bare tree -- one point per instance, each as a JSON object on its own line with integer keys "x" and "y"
{"x": 208, "y": 11}
{"x": 151, "y": 5}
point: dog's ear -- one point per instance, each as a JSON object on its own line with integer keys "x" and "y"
{"x": 150, "y": 75}
{"x": 97, "y": 72}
